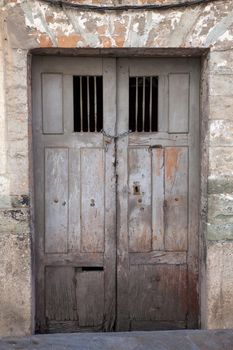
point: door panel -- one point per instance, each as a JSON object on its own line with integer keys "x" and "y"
{"x": 163, "y": 282}
{"x": 92, "y": 200}
{"x": 52, "y": 90}
{"x": 139, "y": 200}
{"x": 56, "y": 199}
{"x": 158, "y": 174}
{"x": 116, "y": 195}
{"x": 176, "y": 195}
{"x": 75, "y": 194}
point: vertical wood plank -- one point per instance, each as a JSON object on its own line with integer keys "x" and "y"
{"x": 68, "y": 101}
{"x": 109, "y": 95}
{"x": 92, "y": 200}
{"x": 163, "y": 103}
{"x": 56, "y": 200}
{"x": 194, "y": 196}
{"x": 139, "y": 200}
{"x": 178, "y": 103}
{"x": 38, "y": 169}
{"x": 109, "y": 110}
{"x": 176, "y": 198}
{"x": 60, "y": 294}
{"x": 90, "y": 298}
{"x": 123, "y": 316}
{"x": 52, "y": 103}
{"x": 158, "y": 198}
{"x": 74, "y": 200}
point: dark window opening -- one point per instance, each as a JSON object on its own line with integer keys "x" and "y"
{"x": 92, "y": 268}
{"x": 88, "y": 103}
{"x": 143, "y": 104}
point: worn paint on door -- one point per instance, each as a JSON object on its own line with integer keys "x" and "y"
{"x": 75, "y": 190}
{"x": 102, "y": 197}
{"x": 158, "y": 194}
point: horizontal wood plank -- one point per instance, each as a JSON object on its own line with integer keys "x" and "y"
{"x": 158, "y": 139}
{"x": 77, "y": 260}
{"x": 158, "y": 257}
{"x": 148, "y": 325}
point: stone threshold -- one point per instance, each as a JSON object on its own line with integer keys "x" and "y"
{"x": 156, "y": 340}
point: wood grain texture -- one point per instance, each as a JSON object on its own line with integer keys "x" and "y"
{"x": 92, "y": 200}
{"x": 157, "y": 325}
{"x": 161, "y": 138}
{"x": 90, "y": 298}
{"x": 158, "y": 198}
{"x": 178, "y": 103}
{"x": 163, "y": 103}
{"x": 152, "y": 289}
{"x": 108, "y": 181}
{"x": 123, "y": 316}
{"x": 194, "y": 199}
{"x": 88, "y": 171}
{"x": 74, "y": 236}
{"x": 52, "y": 103}
{"x": 74, "y": 259}
{"x": 176, "y": 198}
{"x": 56, "y": 200}
{"x": 60, "y": 294}
{"x": 139, "y": 199}
{"x": 110, "y": 121}
{"x": 158, "y": 257}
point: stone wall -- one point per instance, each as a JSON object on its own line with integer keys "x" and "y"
{"x": 33, "y": 24}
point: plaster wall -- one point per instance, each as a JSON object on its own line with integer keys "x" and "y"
{"x": 32, "y": 24}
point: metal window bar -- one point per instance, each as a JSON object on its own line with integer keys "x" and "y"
{"x": 150, "y": 112}
{"x": 143, "y": 102}
{"x": 136, "y": 106}
{"x": 88, "y": 103}
{"x": 81, "y": 104}
{"x": 95, "y": 103}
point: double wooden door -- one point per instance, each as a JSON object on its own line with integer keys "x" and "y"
{"x": 116, "y": 179}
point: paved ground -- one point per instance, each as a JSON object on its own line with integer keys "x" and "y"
{"x": 166, "y": 340}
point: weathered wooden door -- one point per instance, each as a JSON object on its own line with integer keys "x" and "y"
{"x": 157, "y": 194}
{"x": 75, "y": 191}
{"x": 116, "y": 164}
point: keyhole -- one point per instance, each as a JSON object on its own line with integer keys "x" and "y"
{"x": 136, "y": 189}
{"x": 92, "y": 204}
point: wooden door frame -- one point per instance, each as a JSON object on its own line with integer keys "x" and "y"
{"x": 139, "y": 52}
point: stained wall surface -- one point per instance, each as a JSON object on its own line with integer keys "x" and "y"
{"x": 33, "y": 24}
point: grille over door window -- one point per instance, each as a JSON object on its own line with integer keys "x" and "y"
{"x": 88, "y": 103}
{"x": 143, "y": 104}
